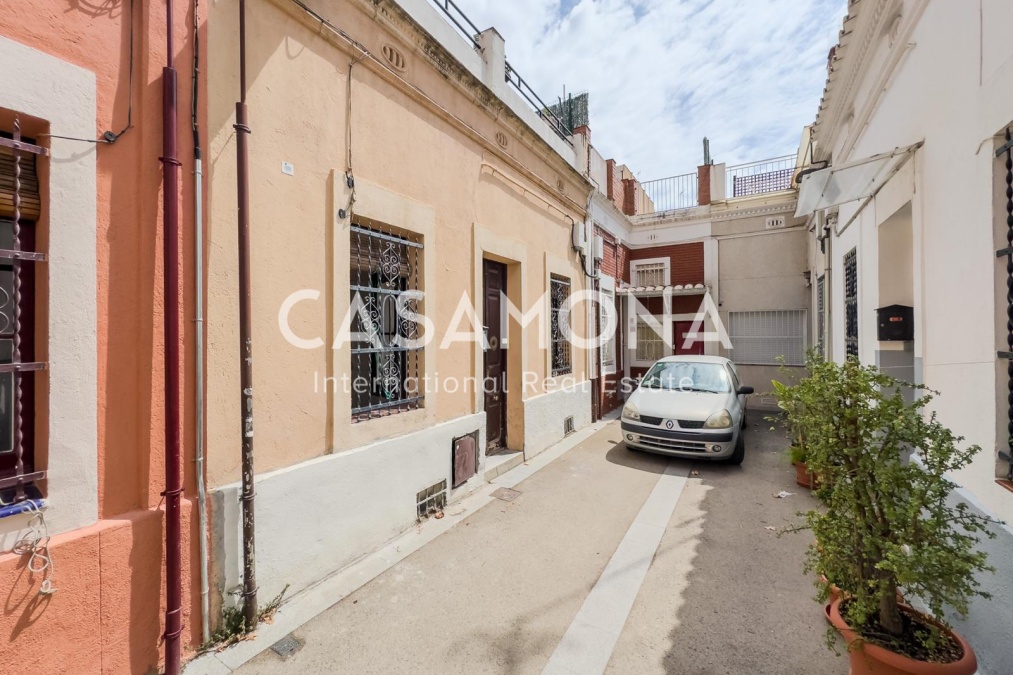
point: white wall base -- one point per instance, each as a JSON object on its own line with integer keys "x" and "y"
{"x": 317, "y": 517}
{"x": 544, "y": 415}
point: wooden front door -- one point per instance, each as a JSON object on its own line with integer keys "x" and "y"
{"x": 495, "y": 356}
{"x": 682, "y": 329}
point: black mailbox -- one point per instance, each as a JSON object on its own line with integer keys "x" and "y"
{"x": 896, "y": 323}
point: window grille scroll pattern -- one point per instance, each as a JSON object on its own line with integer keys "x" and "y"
{"x": 386, "y": 293}
{"x": 651, "y": 274}
{"x": 650, "y": 345}
{"x": 559, "y": 293}
{"x": 608, "y": 345}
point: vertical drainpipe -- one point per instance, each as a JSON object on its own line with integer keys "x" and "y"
{"x": 245, "y": 333}
{"x": 173, "y": 476}
{"x": 198, "y": 283}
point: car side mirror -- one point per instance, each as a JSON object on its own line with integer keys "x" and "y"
{"x": 744, "y": 391}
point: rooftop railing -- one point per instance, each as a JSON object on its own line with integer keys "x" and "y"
{"x": 754, "y": 178}
{"x": 469, "y": 31}
{"x": 672, "y": 193}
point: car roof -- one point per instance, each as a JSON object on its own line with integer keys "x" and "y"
{"x": 694, "y": 358}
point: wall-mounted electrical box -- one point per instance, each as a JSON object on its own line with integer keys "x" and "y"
{"x": 599, "y": 248}
{"x": 577, "y": 236}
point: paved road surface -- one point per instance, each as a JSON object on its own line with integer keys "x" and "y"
{"x": 693, "y": 581}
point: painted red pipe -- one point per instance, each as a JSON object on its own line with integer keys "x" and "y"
{"x": 173, "y": 476}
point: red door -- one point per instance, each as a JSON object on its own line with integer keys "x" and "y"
{"x": 682, "y": 330}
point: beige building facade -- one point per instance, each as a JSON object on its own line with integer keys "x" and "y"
{"x": 398, "y": 175}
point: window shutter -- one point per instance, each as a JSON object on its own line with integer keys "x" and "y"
{"x": 30, "y": 202}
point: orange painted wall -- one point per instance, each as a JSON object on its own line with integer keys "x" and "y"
{"x": 106, "y": 615}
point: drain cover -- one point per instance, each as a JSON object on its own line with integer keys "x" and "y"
{"x": 287, "y": 646}
{"x": 506, "y": 494}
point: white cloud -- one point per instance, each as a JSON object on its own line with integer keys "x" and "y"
{"x": 662, "y": 74}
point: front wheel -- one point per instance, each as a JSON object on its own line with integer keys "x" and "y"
{"x": 740, "y": 451}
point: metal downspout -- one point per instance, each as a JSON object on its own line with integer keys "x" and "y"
{"x": 170, "y": 273}
{"x": 245, "y": 334}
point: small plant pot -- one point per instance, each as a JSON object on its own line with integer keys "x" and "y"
{"x": 870, "y": 659}
{"x": 803, "y": 477}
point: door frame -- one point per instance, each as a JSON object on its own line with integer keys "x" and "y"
{"x": 504, "y": 331}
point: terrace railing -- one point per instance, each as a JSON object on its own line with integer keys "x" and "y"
{"x": 754, "y": 178}
{"x": 469, "y": 31}
{"x": 672, "y": 193}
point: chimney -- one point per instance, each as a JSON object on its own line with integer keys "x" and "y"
{"x": 584, "y": 131}
{"x": 630, "y": 188}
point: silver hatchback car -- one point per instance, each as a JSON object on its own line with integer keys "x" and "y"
{"x": 688, "y": 406}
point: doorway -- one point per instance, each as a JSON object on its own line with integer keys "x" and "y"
{"x": 495, "y": 362}
{"x": 682, "y": 330}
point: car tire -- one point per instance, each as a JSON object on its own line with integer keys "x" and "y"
{"x": 740, "y": 451}
{"x": 743, "y": 425}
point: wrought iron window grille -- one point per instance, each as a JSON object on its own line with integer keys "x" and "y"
{"x": 18, "y": 192}
{"x": 559, "y": 292}
{"x": 851, "y": 303}
{"x": 386, "y": 296}
{"x": 1005, "y": 152}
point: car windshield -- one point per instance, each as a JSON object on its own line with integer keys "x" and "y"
{"x": 710, "y": 378}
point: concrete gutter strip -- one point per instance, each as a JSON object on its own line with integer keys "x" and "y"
{"x": 588, "y": 643}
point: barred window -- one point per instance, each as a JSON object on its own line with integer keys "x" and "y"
{"x": 650, "y": 274}
{"x": 20, "y": 206}
{"x": 650, "y": 345}
{"x": 559, "y": 292}
{"x": 761, "y": 338}
{"x": 608, "y": 346}
{"x": 821, "y": 315}
{"x": 851, "y": 303}
{"x": 387, "y": 368}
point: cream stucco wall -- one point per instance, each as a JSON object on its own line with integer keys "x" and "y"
{"x": 433, "y": 152}
{"x": 941, "y": 76}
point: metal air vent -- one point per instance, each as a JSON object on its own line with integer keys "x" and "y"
{"x": 568, "y": 425}
{"x": 432, "y": 500}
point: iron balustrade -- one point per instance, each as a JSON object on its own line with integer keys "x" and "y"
{"x": 469, "y": 31}
{"x": 673, "y": 193}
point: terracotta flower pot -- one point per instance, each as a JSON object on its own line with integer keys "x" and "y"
{"x": 803, "y": 477}
{"x": 870, "y": 659}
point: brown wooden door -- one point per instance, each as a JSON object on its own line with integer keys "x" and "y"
{"x": 682, "y": 328}
{"x": 495, "y": 356}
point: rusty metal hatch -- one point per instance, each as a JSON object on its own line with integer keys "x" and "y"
{"x": 465, "y": 458}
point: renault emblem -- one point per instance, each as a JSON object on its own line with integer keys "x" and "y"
{"x": 670, "y": 424}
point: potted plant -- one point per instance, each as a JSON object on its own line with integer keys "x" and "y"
{"x": 801, "y": 403}
{"x": 887, "y": 523}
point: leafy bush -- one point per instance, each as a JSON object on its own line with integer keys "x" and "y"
{"x": 887, "y": 522}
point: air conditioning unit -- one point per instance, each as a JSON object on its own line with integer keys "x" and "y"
{"x": 599, "y": 248}
{"x": 577, "y": 236}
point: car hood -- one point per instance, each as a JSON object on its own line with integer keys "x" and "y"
{"x": 684, "y": 405}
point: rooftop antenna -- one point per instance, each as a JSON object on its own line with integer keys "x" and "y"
{"x": 707, "y": 151}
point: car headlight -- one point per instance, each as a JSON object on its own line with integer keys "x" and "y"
{"x": 719, "y": 420}
{"x": 630, "y": 412}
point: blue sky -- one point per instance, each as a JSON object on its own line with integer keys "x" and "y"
{"x": 662, "y": 74}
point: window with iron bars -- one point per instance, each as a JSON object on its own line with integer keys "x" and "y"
{"x": 608, "y": 346}
{"x": 20, "y": 207}
{"x": 821, "y": 315}
{"x": 388, "y": 358}
{"x": 851, "y": 303}
{"x": 650, "y": 345}
{"x": 767, "y": 338}
{"x": 559, "y": 292}
{"x": 650, "y": 274}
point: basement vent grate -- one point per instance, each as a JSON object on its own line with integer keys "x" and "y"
{"x": 432, "y": 500}
{"x": 568, "y": 426}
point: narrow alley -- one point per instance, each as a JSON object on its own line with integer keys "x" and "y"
{"x": 543, "y": 580}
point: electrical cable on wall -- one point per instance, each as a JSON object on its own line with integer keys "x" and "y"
{"x": 111, "y": 137}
